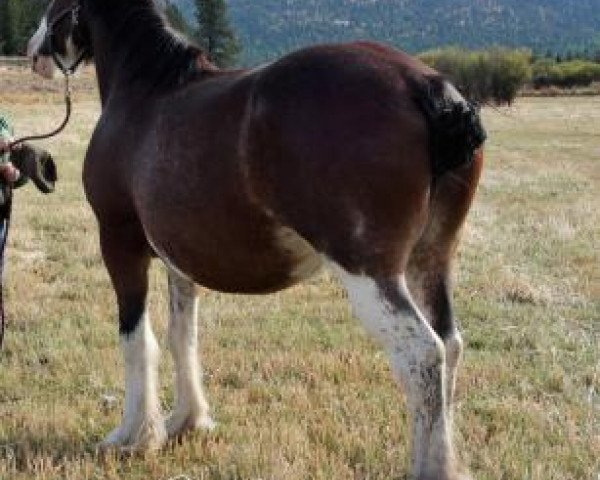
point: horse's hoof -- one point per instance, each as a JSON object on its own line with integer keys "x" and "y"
{"x": 177, "y": 425}
{"x": 114, "y": 441}
{"x": 449, "y": 474}
{"x": 460, "y": 476}
{"x": 149, "y": 437}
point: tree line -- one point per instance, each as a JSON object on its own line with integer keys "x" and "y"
{"x": 490, "y": 75}
{"x": 498, "y": 74}
{"x": 270, "y": 27}
{"x": 19, "y": 20}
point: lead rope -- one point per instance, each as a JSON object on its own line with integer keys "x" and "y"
{"x": 60, "y": 128}
{"x": 5, "y": 223}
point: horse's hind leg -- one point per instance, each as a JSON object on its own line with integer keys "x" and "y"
{"x": 417, "y": 356}
{"x": 191, "y": 407}
{"x": 429, "y": 267}
{"x": 429, "y": 282}
{"x": 127, "y": 258}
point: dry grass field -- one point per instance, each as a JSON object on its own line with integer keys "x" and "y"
{"x": 297, "y": 388}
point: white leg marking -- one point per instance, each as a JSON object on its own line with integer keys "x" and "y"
{"x": 143, "y": 426}
{"x": 191, "y": 408}
{"x": 454, "y": 349}
{"x": 453, "y": 343}
{"x": 417, "y": 359}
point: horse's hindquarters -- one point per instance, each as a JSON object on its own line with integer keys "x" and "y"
{"x": 343, "y": 160}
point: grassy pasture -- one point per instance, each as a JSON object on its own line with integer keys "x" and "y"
{"x": 297, "y": 388}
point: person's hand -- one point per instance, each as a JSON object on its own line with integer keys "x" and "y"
{"x": 5, "y": 144}
{"x": 9, "y": 172}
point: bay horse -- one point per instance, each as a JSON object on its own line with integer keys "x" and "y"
{"x": 356, "y": 156}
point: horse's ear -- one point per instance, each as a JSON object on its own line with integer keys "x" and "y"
{"x": 204, "y": 64}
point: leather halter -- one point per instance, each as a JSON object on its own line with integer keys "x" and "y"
{"x": 73, "y": 11}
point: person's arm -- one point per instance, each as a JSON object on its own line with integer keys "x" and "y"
{"x": 6, "y": 134}
{"x": 7, "y": 169}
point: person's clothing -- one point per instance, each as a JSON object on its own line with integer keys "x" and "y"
{"x": 31, "y": 162}
{"x": 6, "y": 133}
{"x": 36, "y": 165}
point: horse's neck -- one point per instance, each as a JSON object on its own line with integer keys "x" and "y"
{"x": 104, "y": 76}
{"x": 134, "y": 51}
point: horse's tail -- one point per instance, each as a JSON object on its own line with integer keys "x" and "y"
{"x": 455, "y": 128}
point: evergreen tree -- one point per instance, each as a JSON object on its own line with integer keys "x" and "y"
{"x": 214, "y": 34}
{"x": 18, "y": 21}
{"x": 177, "y": 20}
{"x": 6, "y": 28}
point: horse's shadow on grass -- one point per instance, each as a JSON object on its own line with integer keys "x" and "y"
{"x": 27, "y": 451}
{"x": 31, "y": 451}
{"x": 35, "y": 453}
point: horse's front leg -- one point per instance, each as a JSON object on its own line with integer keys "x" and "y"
{"x": 191, "y": 407}
{"x": 127, "y": 258}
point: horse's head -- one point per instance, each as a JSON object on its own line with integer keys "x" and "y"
{"x": 62, "y": 38}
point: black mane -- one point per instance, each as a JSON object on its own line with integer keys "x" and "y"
{"x": 144, "y": 49}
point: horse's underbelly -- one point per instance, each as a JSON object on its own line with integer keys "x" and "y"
{"x": 239, "y": 263}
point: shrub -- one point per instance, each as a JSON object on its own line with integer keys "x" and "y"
{"x": 494, "y": 75}
{"x": 575, "y": 73}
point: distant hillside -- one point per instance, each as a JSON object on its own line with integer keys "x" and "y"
{"x": 269, "y": 28}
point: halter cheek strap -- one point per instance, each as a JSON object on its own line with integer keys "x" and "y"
{"x": 74, "y": 11}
